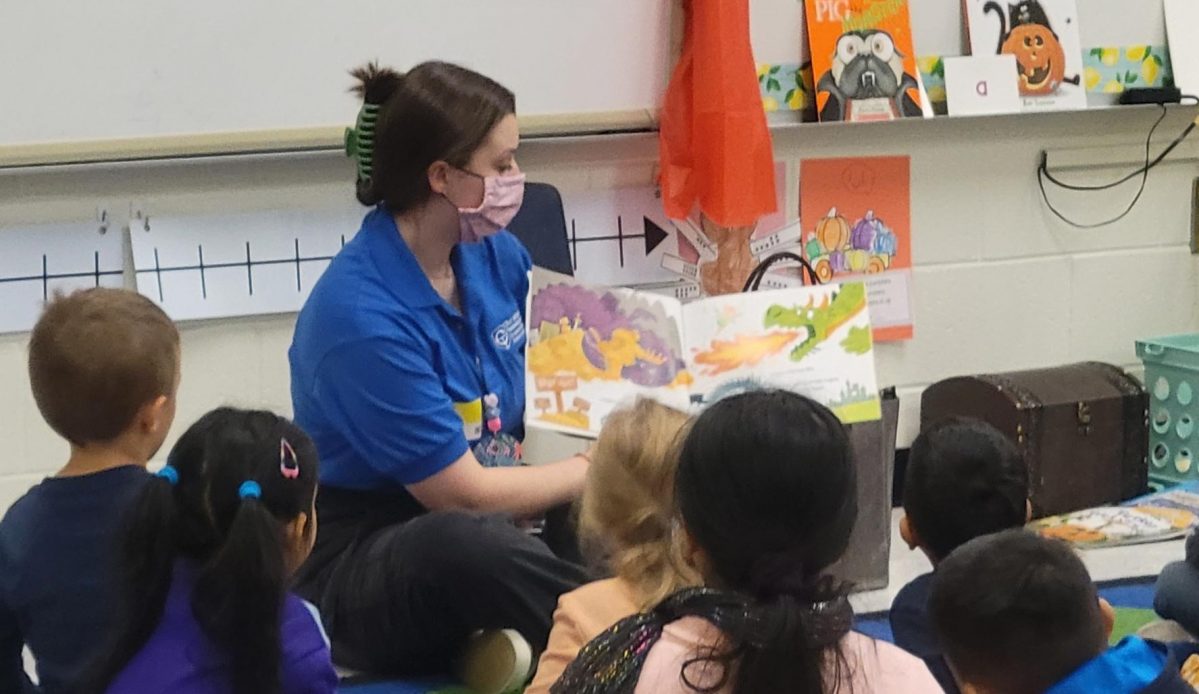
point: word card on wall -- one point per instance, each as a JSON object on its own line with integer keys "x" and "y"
{"x": 36, "y": 261}
{"x": 239, "y": 264}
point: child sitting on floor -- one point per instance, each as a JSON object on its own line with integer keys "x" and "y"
{"x": 964, "y": 479}
{"x": 624, "y": 517}
{"x": 766, "y": 493}
{"x": 1017, "y": 613}
{"x": 1176, "y": 596}
{"x": 206, "y": 562}
{"x": 104, "y": 369}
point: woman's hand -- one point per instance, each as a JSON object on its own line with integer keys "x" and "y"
{"x": 524, "y": 491}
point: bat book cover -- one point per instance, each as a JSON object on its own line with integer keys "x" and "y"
{"x": 862, "y": 60}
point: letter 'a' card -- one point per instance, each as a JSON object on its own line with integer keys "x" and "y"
{"x": 980, "y": 85}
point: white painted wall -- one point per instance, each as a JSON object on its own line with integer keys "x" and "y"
{"x": 999, "y": 285}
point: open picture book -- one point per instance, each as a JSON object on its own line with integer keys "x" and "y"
{"x": 594, "y": 349}
{"x": 1164, "y": 515}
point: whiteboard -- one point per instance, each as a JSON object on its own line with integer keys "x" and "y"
{"x": 106, "y": 69}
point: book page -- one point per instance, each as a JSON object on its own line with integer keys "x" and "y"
{"x": 1112, "y": 526}
{"x": 1183, "y": 497}
{"x": 1156, "y": 517}
{"x": 594, "y": 349}
{"x": 812, "y": 340}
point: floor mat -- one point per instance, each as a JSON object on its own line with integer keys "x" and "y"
{"x": 1129, "y": 620}
{"x": 399, "y": 687}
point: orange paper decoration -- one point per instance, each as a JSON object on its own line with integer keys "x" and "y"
{"x": 714, "y": 145}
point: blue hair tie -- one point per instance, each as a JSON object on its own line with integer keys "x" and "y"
{"x": 169, "y": 473}
{"x": 250, "y": 490}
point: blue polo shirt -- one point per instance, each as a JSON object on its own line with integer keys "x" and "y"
{"x": 386, "y": 377}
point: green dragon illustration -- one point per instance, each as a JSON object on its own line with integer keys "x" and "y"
{"x": 819, "y": 321}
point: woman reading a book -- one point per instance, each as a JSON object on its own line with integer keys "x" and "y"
{"x": 407, "y": 369}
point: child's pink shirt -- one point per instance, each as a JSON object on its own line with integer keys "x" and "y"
{"x": 874, "y": 666}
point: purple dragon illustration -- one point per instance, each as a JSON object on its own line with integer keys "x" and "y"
{"x": 601, "y": 315}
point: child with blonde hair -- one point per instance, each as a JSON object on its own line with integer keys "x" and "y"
{"x": 625, "y": 523}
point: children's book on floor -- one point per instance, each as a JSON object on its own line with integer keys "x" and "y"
{"x": 862, "y": 60}
{"x": 1165, "y": 515}
{"x": 1044, "y": 38}
{"x": 592, "y": 349}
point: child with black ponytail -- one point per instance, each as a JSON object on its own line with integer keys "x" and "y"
{"x": 765, "y": 491}
{"x": 206, "y": 561}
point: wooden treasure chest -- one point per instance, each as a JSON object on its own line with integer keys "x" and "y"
{"x": 1082, "y": 429}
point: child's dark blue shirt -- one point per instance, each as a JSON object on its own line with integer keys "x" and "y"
{"x": 57, "y": 562}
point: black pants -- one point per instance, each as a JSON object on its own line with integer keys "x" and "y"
{"x": 402, "y": 599}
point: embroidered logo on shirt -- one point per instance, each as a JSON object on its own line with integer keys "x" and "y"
{"x": 510, "y": 333}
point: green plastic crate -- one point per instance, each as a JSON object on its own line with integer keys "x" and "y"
{"x": 1172, "y": 379}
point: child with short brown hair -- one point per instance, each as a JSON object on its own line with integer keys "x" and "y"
{"x": 624, "y": 522}
{"x": 104, "y": 369}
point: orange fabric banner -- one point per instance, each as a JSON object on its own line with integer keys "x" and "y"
{"x": 714, "y": 145}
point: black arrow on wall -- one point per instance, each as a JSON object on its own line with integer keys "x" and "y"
{"x": 653, "y": 234}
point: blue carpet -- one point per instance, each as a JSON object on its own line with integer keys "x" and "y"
{"x": 395, "y": 687}
{"x": 876, "y": 626}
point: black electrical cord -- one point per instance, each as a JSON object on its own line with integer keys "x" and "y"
{"x": 1104, "y": 186}
{"x": 1043, "y": 173}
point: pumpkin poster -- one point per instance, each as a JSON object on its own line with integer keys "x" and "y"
{"x": 856, "y": 224}
{"x": 1044, "y": 38}
{"x": 863, "y": 63}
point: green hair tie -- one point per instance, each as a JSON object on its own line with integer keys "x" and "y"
{"x": 360, "y": 140}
